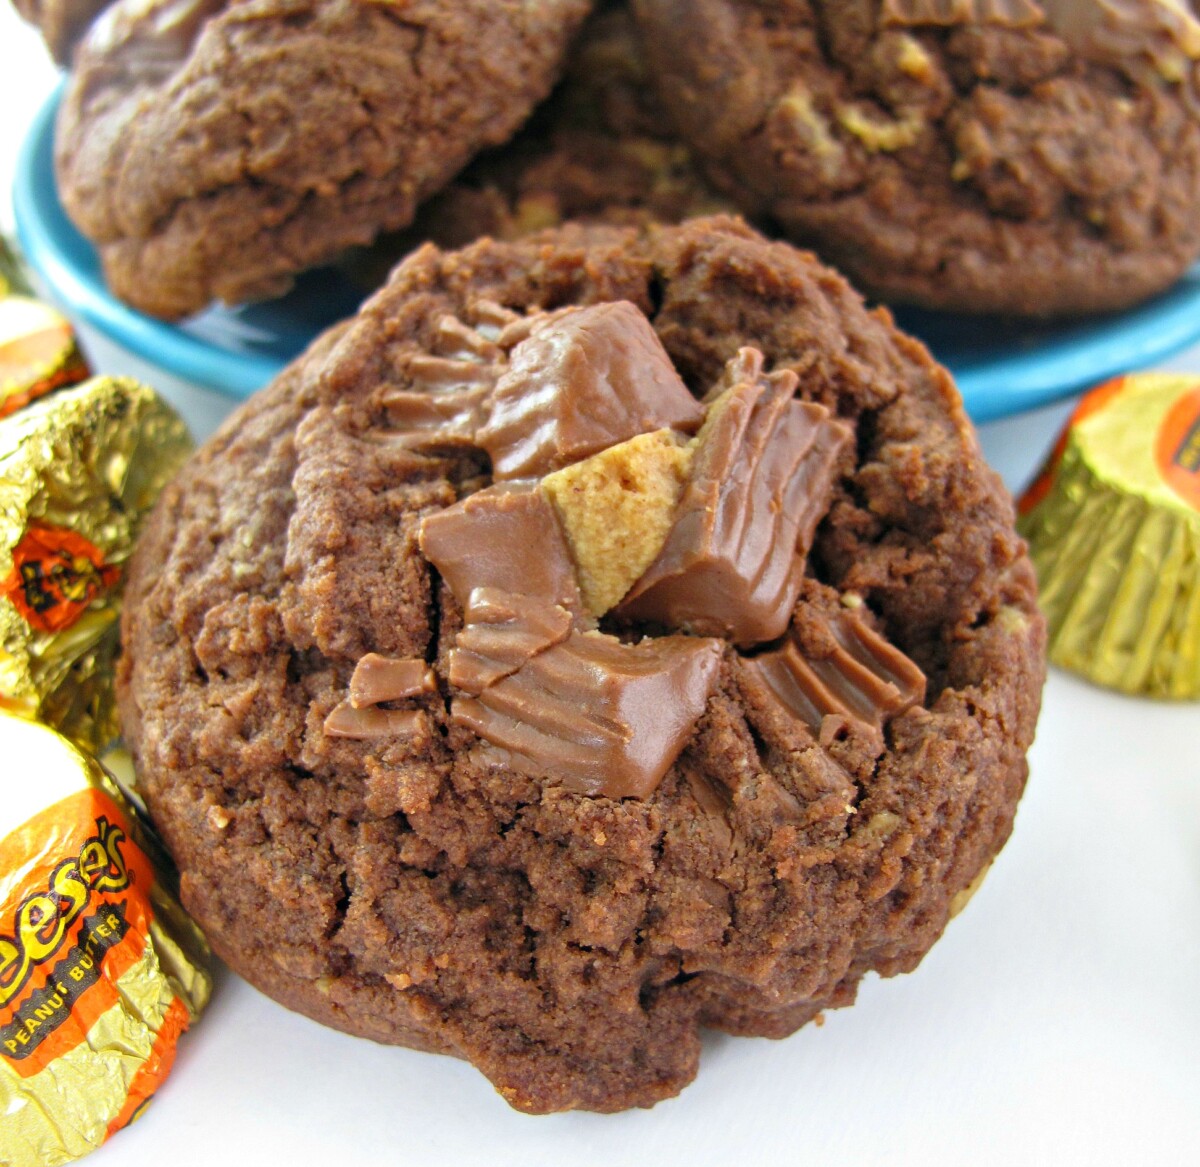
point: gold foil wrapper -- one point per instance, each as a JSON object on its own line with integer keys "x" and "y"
{"x": 100, "y": 970}
{"x": 13, "y": 281}
{"x": 38, "y": 350}
{"x": 1113, "y": 525}
{"x": 79, "y": 471}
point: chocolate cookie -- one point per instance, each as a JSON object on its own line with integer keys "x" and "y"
{"x": 63, "y": 22}
{"x": 1013, "y": 156}
{"x": 215, "y": 148}
{"x": 601, "y": 149}
{"x": 602, "y": 636}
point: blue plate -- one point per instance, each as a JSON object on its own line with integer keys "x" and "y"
{"x": 1002, "y": 366}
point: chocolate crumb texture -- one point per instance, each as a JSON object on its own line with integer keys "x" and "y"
{"x": 1027, "y": 157}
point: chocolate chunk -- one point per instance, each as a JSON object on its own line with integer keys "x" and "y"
{"x": 506, "y": 537}
{"x": 1163, "y": 32}
{"x": 446, "y": 395}
{"x": 491, "y": 319}
{"x": 366, "y": 724}
{"x": 584, "y": 380}
{"x": 521, "y": 328}
{"x": 501, "y": 632}
{"x": 380, "y": 678}
{"x": 454, "y": 338}
{"x": 449, "y": 374}
{"x": 864, "y": 679}
{"x": 760, "y": 482}
{"x": 447, "y": 418}
{"x": 604, "y": 718}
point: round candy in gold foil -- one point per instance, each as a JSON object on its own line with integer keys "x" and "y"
{"x": 38, "y": 352}
{"x": 79, "y": 471}
{"x": 100, "y": 970}
{"x": 1113, "y": 523}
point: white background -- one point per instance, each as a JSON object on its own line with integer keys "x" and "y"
{"x": 1057, "y": 1022}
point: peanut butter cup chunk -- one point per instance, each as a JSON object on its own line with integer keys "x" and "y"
{"x": 583, "y": 381}
{"x": 585, "y": 837}
{"x": 759, "y": 481}
{"x": 476, "y": 544}
{"x": 379, "y": 678}
{"x": 501, "y": 631}
{"x": 616, "y": 508}
{"x": 599, "y": 716}
{"x": 855, "y": 679}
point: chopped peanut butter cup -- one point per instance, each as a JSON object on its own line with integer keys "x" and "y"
{"x": 760, "y": 482}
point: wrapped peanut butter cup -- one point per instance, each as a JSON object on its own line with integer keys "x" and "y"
{"x": 13, "y": 281}
{"x": 100, "y": 970}
{"x": 38, "y": 351}
{"x": 1113, "y": 523}
{"x": 79, "y": 471}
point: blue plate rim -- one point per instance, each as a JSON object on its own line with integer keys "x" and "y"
{"x": 1011, "y": 385}
{"x": 1002, "y": 386}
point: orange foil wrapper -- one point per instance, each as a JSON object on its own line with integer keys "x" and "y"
{"x": 38, "y": 351}
{"x": 1113, "y": 524}
{"x": 100, "y": 970}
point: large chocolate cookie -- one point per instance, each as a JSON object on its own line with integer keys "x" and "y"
{"x": 1039, "y": 158}
{"x": 540, "y": 683}
{"x": 62, "y": 22}
{"x": 215, "y": 148}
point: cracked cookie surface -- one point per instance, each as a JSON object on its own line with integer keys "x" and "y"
{"x": 1008, "y": 156}
{"x": 213, "y": 149}
{"x": 350, "y": 834}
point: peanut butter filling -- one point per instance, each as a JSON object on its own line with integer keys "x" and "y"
{"x": 609, "y": 504}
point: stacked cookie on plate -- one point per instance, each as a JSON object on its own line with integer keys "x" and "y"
{"x": 1033, "y": 157}
{"x": 214, "y": 149}
{"x": 1030, "y": 157}
{"x": 612, "y": 630}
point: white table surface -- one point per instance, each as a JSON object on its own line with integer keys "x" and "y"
{"x": 1057, "y": 1022}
